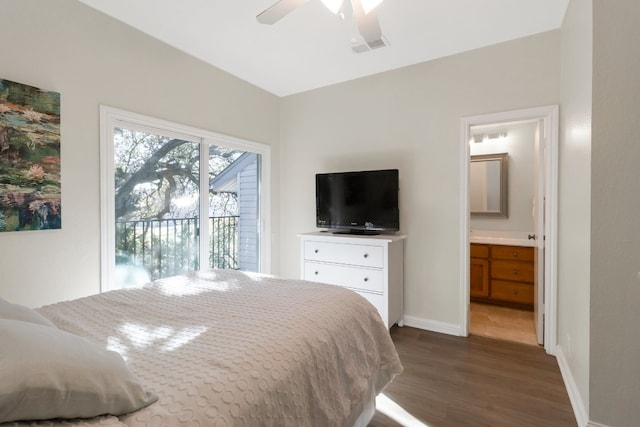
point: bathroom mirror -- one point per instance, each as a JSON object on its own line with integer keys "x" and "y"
{"x": 488, "y": 177}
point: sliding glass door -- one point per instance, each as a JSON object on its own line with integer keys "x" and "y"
{"x": 168, "y": 215}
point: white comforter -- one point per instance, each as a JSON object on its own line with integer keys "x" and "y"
{"x": 224, "y": 348}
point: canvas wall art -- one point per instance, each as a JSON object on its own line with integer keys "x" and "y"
{"x": 29, "y": 158}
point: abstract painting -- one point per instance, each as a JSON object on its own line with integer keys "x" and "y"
{"x": 29, "y": 158}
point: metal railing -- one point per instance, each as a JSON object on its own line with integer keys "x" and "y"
{"x": 168, "y": 247}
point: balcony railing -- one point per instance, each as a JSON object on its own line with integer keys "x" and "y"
{"x": 168, "y": 247}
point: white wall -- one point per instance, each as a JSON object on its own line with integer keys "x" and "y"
{"x": 91, "y": 59}
{"x": 614, "y": 383}
{"x": 519, "y": 144}
{"x": 574, "y": 205}
{"x": 410, "y": 119}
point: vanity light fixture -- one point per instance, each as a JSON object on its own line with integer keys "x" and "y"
{"x": 478, "y": 138}
{"x": 497, "y": 135}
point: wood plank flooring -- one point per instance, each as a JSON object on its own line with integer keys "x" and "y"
{"x": 453, "y": 381}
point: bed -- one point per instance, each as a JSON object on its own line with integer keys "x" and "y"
{"x": 212, "y": 348}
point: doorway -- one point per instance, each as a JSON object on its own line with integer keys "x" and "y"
{"x": 540, "y": 210}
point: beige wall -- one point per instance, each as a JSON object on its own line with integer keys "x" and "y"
{"x": 91, "y": 59}
{"x": 615, "y": 210}
{"x": 410, "y": 119}
{"x": 574, "y": 205}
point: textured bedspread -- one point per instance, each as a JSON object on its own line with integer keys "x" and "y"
{"x": 224, "y": 348}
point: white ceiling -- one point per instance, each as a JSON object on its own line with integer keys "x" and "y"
{"x": 311, "y": 47}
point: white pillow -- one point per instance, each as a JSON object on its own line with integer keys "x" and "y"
{"x": 20, "y": 312}
{"x": 49, "y": 373}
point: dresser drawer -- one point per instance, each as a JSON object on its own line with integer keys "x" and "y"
{"x": 365, "y": 279}
{"x": 512, "y": 252}
{"x": 377, "y": 300}
{"x": 352, "y": 254}
{"x": 512, "y": 270}
{"x": 521, "y": 293}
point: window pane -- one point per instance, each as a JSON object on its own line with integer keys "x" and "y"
{"x": 233, "y": 209}
{"x": 156, "y": 206}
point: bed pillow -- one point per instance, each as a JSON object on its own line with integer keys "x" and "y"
{"x": 20, "y": 312}
{"x": 49, "y": 373}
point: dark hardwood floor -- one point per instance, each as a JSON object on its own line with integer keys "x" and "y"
{"x": 475, "y": 381}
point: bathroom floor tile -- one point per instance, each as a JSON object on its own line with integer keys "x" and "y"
{"x": 503, "y": 323}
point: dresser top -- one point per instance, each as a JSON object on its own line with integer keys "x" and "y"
{"x": 347, "y": 237}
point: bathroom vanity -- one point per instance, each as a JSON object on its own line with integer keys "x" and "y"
{"x": 502, "y": 274}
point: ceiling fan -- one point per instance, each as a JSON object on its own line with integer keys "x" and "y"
{"x": 363, "y": 11}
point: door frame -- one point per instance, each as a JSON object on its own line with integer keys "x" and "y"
{"x": 549, "y": 114}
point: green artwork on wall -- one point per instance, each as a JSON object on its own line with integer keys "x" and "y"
{"x": 29, "y": 158}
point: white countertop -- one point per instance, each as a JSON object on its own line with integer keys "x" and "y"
{"x": 501, "y": 238}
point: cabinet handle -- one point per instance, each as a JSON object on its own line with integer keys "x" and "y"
{"x": 366, "y": 255}
{"x": 515, "y": 272}
{"x": 316, "y": 273}
{"x": 515, "y": 254}
{"x": 366, "y": 279}
{"x": 316, "y": 251}
{"x": 515, "y": 292}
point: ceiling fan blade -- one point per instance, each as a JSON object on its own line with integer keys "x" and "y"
{"x": 278, "y": 11}
{"x": 367, "y": 23}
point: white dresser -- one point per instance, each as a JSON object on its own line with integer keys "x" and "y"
{"x": 370, "y": 265}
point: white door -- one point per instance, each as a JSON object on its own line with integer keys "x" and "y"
{"x": 538, "y": 227}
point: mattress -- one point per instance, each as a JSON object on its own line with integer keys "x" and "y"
{"x": 226, "y": 348}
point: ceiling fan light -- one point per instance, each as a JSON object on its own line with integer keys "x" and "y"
{"x": 369, "y": 5}
{"x": 333, "y": 5}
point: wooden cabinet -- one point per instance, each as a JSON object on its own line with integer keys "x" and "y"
{"x": 370, "y": 266}
{"x": 479, "y": 281}
{"x": 502, "y": 274}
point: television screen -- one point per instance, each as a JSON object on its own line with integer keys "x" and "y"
{"x": 364, "y": 202}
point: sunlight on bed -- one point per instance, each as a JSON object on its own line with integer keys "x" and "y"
{"x": 179, "y": 289}
{"x": 164, "y": 338}
{"x": 396, "y": 412}
{"x": 183, "y": 337}
{"x": 210, "y": 281}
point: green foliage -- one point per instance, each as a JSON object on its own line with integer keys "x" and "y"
{"x": 157, "y": 204}
{"x": 158, "y": 177}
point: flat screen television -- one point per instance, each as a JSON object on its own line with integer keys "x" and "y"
{"x": 363, "y": 202}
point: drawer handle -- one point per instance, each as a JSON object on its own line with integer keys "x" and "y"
{"x": 515, "y": 292}
{"x": 316, "y": 251}
{"x": 366, "y": 279}
{"x": 366, "y": 255}
{"x": 515, "y": 272}
{"x": 316, "y": 273}
{"x": 515, "y": 254}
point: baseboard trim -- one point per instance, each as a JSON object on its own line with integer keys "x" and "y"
{"x": 595, "y": 424}
{"x": 579, "y": 409}
{"x": 432, "y": 325}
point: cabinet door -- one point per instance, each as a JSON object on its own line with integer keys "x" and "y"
{"x": 479, "y": 277}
